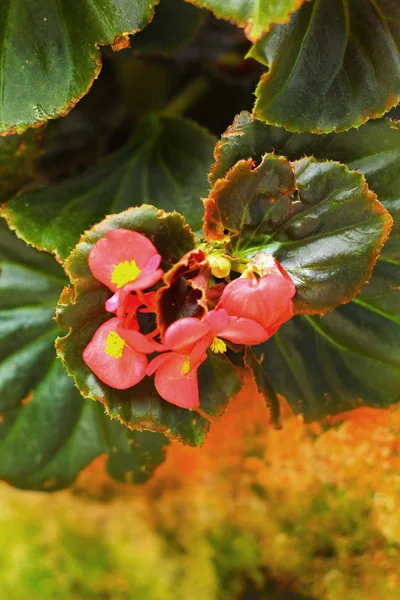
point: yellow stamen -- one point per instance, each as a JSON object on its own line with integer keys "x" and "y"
{"x": 125, "y": 272}
{"x": 218, "y": 346}
{"x": 114, "y": 345}
{"x": 186, "y": 366}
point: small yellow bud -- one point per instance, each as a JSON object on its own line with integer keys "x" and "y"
{"x": 220, "y": 265}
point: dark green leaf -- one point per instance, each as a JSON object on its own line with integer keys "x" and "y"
{"x": 50, "y": 53}
{"x": 351, "y": 356}
{"x": 256, "y": 16}
{"x": 82, "y": 311}
{"x": 48, "y": 432}
{"x": 319, "y": 220}
{"x": 174, "y": 23}
{"x": 165, "y": 165}
{"x": 334, "y": 66}
{"x": 17, "y": 158}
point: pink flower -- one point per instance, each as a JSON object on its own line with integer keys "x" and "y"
{"x": 188, "y": 339}
{"x": 267, "y": 299}
{"x": 125, "y": 261}
{"x": 117, "y": 356}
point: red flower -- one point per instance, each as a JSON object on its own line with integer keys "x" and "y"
{"x": 117, "y": 356}
{"x": 125, "y": 259}
{"x": 188, "y": 339}
{"x": 267, "y": 299}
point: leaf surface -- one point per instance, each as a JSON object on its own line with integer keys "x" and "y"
{"x": 333, "y": 66}
{"x": 165, "y": 165}
{"x": 317, "y": 218}
{"x": 48, "y": 432}
{"x": 54, "y": 49}
{"x": 349, "y": 357}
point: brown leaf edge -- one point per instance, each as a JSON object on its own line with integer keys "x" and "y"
{"x": 247, "y": 24}
{"x": 120, "y": 42}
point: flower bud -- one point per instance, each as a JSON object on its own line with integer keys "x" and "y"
{"x": 220, "y": 265}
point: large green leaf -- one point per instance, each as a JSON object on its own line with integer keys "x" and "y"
{"x": 48, "y": 432}
{"x": 50, "y": 53}
{"x": 81, "y": 311}
{"x": 352, "y": 355}
{"x": 165, "y": 165}
{"x": 334, "y": 66}
{"x": 319, "y": 220}
{"x": 256, "y": 16}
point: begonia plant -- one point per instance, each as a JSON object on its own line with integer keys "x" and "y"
{"x": 223, "y": 200}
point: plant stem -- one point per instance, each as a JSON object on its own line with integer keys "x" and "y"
{"x": 185, "y": 99}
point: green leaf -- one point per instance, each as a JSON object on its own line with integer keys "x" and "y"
{"x": 319, "y": 220}
{"x": 17, "y": 161}
{"x": 81, "y": 310}
{"x": 175, "y": 23}
{"x": 54, "y": 48}
{"x": 334, "y": 66}
{"x": 351, "y": 356}
{"x": 165, "y": 165}
{"x": 256, "y": 16}
{"x": 48, "y": 432}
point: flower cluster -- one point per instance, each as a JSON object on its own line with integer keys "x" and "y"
{"x": 249, "y": 311}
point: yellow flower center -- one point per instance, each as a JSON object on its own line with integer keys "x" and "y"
{"x": 114, "y": 345}
{"x": 218, "y": 346}
{"x": 186, "y": 366}
{"x": 124, "y": 273}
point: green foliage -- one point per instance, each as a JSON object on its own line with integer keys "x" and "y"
{"x": 165, "y": 165}
{"x": 319, "y": 192}
{"x": 332, "y": 67}
{"x": 48, "y": 432}
{"x": 350, "y": 356}
{"x": 256, "y": 16}
{"x": 54, "y": 50}
{"x": 318, "y": 219}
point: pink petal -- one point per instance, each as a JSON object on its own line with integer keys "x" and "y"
{"x": 146, "y": 280}
{"x": 244, "y": 331}
{"x": 138, "y": 341}
{"x": 217, "y": 320}
{"x": 119, "y": 373}
{"x": 264, "y": 300}
{"x": 174, "y": 386}
{"x": 156, "y": 362}
{"x": 116, "y": 247}
{"x": 184, "y": 334}
{"x": 153, "y": 264}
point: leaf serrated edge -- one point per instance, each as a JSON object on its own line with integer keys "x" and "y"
{"x": 247, "y": 24}
{"x": 380, "y": 212}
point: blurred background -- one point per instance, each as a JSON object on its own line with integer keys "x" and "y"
{"x": 308, "y": 512}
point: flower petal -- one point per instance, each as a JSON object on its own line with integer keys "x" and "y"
{"x": 244, "y": 331}
{"x": 174, "y": 385}
{"x": 184, "y": 334}
{"x": 116, "y": 247}
{"x": 120, "y": 372}
{"x": 138, "y": 341}
{"x": 264, "y": 300}
{"x": 217, "y": 320}
{"x": 146, "y": 280}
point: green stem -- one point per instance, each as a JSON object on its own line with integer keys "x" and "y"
{"x": 185, "y": 99}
